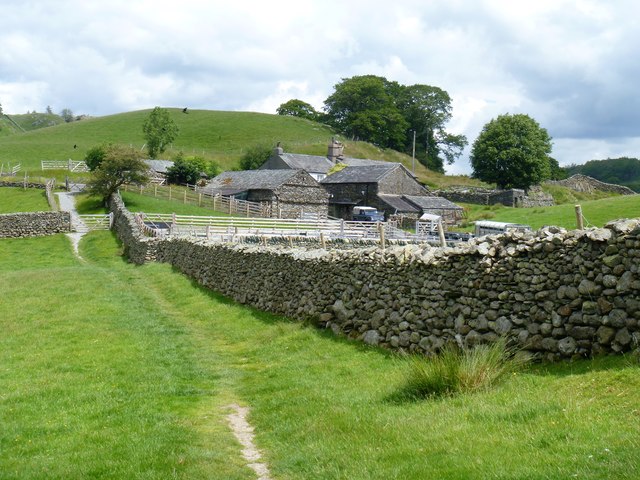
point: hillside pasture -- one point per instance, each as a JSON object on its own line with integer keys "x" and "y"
{"x": 216, "y": 135}
{"x": 15, "y": 199}
{"x": 110, "y": 370}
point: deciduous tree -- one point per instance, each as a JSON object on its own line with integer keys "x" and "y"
{"x": 120, "y": 165}
{"x": 512, "y": 151}
{"x": 386, "y": 113}
{"x": 298, "y": 108}
{"x": 159, "y": 131}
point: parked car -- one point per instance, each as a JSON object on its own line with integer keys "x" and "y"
{"x": 367, "y": 214}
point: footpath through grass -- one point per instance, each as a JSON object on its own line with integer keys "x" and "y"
{"x": 108, "y": 370}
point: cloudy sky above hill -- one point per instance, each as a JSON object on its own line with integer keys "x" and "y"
{"x": 570, "y": 64}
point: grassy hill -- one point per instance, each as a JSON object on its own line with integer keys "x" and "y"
{"x": 216, "y": 135}
{"x": 12, "y": 124}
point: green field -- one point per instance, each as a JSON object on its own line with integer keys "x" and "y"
{"x": 111, "y": 370}
{"x": 23, "y": 200}
{"x": 217, "y": 135}
{"x": 595, "y": 212}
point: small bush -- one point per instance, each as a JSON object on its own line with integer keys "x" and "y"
{"x": 457, "y": 370}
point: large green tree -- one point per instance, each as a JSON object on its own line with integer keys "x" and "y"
{"x": 159, "y": 131}
{"x": 386, "y": 113}
{"x": 120, "y": 165}
{"x": 298, "y": 108}
{"x": 512, "y": 151}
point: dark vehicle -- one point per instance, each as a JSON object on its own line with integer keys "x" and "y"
{"x": 367, "y": 214}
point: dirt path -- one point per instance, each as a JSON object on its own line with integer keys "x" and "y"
{"x": 68, "y": 204}
{"x": 244, "y": 433}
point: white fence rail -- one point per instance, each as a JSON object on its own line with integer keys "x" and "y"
{"x": 71, "y": 165}
{"x": 189, "y": 196}
{"x": 228, "y": 228}
{"x": 97, "y": 222}
{"x": 8, "y": 170}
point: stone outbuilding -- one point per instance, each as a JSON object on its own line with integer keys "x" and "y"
{"x": 289, "y": 193}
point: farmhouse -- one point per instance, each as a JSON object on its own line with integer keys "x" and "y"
{"x": 318, "y": 167}
{"x": 390, "y": 187}
{"x": 289, "y": 193}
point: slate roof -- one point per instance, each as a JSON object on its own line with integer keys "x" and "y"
{"x": 398, "y": 203}
{"x": 372, "y": 173}
{"x": 251, "y": 180}
{"x": 310, "y": 163}
{"x": 430, "y": 203}
{"x": 159, "y": 166}
{"x": 318, "y": 164}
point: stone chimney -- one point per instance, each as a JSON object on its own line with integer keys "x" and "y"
{"x": 336, "y": 151}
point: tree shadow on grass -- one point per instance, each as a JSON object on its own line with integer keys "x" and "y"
{"x": 272, "y": 319}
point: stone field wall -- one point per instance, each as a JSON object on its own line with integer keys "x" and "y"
{"x": 555, "y": 293}
{"x": 34, "y": 224}
{"x": 584, "y": 183}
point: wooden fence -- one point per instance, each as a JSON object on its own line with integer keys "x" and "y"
{"x": 188, "y": 196}
{"x": 71, "y": 165}
{"x": 96, "y": 222}
{"x": 8, "y": 170}
{"x": 232, "y": 228}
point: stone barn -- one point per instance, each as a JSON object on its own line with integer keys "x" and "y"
{"x": 289, "y": 193}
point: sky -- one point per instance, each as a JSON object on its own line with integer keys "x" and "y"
{"x": 572, "y": 65}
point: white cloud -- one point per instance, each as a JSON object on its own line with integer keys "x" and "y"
{"x": 567, "y": 63}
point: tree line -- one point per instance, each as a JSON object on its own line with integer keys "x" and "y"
{"x": 512, "y": 151}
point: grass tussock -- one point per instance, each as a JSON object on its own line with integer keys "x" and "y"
{"x": 455, "y": 370}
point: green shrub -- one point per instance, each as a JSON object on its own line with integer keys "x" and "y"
{"x": 456, "y": 370}
{"x": 255, "y": 156}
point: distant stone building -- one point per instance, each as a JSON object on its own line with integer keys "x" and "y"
{"x": 289, "y": 193}
{"x": 388, "y": 186}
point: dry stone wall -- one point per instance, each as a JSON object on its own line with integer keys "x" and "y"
{"x": 137, "y": 247}
{"x": 584, "y": 183}
{"x": 34, "y": 224}
{"x": 555, "y": 293}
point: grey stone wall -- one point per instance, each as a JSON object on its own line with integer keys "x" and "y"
{"x": 399, "y": 182}
{"x": 555, "y": 293}
{"x": 584, "y": 183}
{"x": 138, "y": 247}
{"x": 34, "y": 224}
{"x": 510, "y": 198}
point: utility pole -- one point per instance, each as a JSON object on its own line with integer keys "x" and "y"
{"x": 413, "y": 154}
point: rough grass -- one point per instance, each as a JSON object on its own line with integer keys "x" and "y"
{"x": 454, "y": 370}
{"x": 109, "y": 370}
{"x": 596, "y": 212}
{"x": 23, "y": 200}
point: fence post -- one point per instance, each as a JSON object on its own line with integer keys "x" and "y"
{"x": 141, "y": 189}
{"x": 199, "y": 199}
{"x": 323, "y": 242}
{"x": 381, "y": 232}
{"x": 169, "y": 192}
{"x": 155, "y": 190}
{"x": 579, "y": 217}
{"x": 443, "y": 241}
